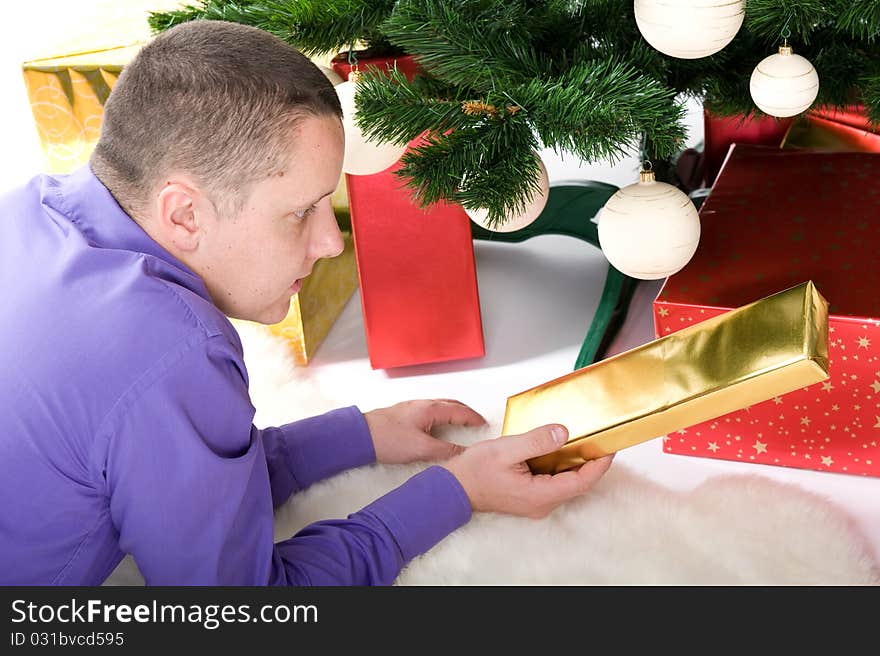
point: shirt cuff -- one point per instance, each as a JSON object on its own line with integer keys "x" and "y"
{"x": 323, "y": 446}
{"x": 424, "y": 510}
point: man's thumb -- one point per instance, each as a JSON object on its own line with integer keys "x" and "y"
{"x": 538, "y": 442}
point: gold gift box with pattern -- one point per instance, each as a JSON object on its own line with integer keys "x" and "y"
{"x": 753, "y": 353}
{"x": 67, "y": 96}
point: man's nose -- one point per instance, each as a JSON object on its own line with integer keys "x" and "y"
{"x": 328, "y": 241}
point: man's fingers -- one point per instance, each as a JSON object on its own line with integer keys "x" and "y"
{"x": 593, "y": 470}
{"x": 446, "y": 411}
{"x": 444, "y": 450}
{"x": 568, "y": 484}
{"x": 536, "y": 442}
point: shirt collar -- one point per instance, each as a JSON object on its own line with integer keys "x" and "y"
{"x": 92, "y": 208}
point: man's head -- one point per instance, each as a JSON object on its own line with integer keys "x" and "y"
{"x": 224, "y": 144}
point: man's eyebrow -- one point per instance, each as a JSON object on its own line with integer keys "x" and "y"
{"x": 322, "y": 196}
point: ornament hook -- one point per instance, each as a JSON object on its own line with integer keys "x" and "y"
{"x": 785, "y": 32}
{"x": 646, "y": 163}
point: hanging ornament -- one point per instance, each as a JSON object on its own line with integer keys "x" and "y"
{"x": 689, "y": 29}
{"x": 362, "y": 157}
{"x": 784, "y": 84}
{"x": 649, "y": 229}
{"x": 533, "y": 208}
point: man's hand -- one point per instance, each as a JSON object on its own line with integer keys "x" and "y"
{"x": 402, "y": 432}
{"x": 496, "y": 478}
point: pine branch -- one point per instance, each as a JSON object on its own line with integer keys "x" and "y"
{"x": 236, "y": 11}
{"x": 483, "y": 45}
{"x": 862, "y": 19}
{"x": 313, "y": 26}
{"x": 870, "y": 94}
{"x": 319, "y": 26}
{"x": 396, "y": 110}
{"x": 766, "y": 19}
{"x": 501, "y": 77}
{"x": 597, "y": 109}
{"x": 834, "y": 63}
{"x": 505, "y": 177}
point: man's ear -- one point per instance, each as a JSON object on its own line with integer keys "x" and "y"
{"x": 182, "y": 215}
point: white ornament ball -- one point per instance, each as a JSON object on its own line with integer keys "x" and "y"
{"x": 689, "y": 29}
{"x": 334, "y": 77}
{"x": 649, "y": 230}
{"x": 534, "y": 207}
{"x": 362, "y": 157}
{"x": 784, "y": 84}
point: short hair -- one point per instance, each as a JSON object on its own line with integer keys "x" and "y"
{"x": 215, "y": 99}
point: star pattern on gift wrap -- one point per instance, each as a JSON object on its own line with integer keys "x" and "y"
{"x": 829, "y": 418}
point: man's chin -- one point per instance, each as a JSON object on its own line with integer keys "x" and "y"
{"x": 275, "y": 316}
{"x": 268, "y": 317}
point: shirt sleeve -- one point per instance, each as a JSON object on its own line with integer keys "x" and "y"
{"x": 310, "y": 450}
{"x": 190, "y": 496}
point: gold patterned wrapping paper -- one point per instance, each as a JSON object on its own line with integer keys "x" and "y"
{"x": 764, "y": 349}
{"x": 69, "y": 73}
{"x": 67, "y": 96}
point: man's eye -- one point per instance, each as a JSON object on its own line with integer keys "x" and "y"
{"x": 304, "y": 213}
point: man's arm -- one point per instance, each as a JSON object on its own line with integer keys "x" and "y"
{"x": 310, "y": 450}
{"x": 189, "y": 490}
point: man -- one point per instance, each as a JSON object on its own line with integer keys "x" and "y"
{"x": 126, "y": 425}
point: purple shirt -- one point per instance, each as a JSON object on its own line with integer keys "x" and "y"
{"x": 126, "y": 425}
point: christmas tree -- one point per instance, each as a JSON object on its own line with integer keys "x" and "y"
{"x": 501, "y": 79}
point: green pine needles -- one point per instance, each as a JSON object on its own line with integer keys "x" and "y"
{"x": 503, "y": 78}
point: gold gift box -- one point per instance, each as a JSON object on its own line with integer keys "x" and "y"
{"x": 69, "y": 77}
{"x": 747, "y": 355}
{"x": 67, "y": 96}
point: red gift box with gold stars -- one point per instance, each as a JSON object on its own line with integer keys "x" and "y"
{"x": 773, "y": 219}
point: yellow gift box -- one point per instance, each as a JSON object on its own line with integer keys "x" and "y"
{"x": 731, "y": 361}
{"x": 67, "y": 96}
{"x": 67, "y": 92}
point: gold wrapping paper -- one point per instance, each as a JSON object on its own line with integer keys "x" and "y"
{"x": 70, "y": 70}
{"x": 67, "y": 96}
{"x": 745, "y": 356}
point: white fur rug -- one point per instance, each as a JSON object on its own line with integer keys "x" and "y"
{"x": 732, "y": 530}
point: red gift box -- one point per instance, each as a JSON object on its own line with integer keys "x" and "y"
{"x": 416, "y": 269}
{"x": 719, "y": 132}
{"x": 774, "y": 219}
{"x": 852, "y": 115}
{"x": 817, "y": 132}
